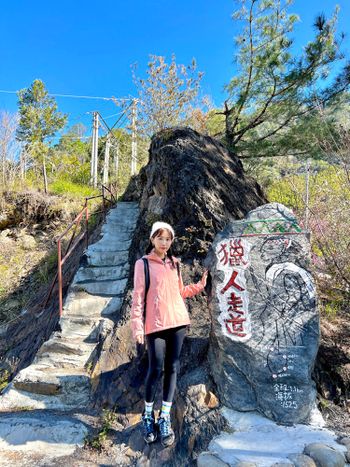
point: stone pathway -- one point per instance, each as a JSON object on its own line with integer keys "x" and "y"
{"x": 256, "y": 441}
{"x": 59, "y": 377}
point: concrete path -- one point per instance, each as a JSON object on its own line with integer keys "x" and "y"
{"x": 255, "y": 441}
{"x": 59, "y": 377}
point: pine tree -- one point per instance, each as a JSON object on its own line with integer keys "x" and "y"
{"x": 273, "y": 98}
{"x": 38, "y": 120}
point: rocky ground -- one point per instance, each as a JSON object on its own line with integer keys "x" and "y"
{"x": 197, "y": 207}
{"x": 332, "y": 372}
{"x": 30, "y": 224}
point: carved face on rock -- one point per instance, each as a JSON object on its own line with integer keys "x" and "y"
{"x": 274, "y": 248}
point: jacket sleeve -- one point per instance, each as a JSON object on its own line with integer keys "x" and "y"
{"x": 191, "y": 289}
{"x": 138, "y": 300}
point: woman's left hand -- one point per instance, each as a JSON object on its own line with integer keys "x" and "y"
{"x": 204, "y": 277}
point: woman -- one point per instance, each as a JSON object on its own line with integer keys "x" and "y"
{"x": 165, "y": 325}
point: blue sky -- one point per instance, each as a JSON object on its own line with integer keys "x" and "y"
{"x": 86, "y": 48}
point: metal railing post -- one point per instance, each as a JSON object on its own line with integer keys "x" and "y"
{"x": 72, "y": 245}
{"x": 59, "y": 259}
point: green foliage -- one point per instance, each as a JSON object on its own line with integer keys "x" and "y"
{"x": 47, "y": 267}
{"x": 4, "y": 378}
{"x": 97, "y": 441}
{"x": 38, "y": 120}
{"x": 215, "y": 124}
{"x": 271, "y": 108}
{"x": 330, "y": 310}
{"x": 329, "y": 222}
{"x": 281, "y": 192}
{"x": 38, "y": 114}
{"x": 71, "y": 189}
{"x": 167, "y": 94}
{"x": 121, "y": 149}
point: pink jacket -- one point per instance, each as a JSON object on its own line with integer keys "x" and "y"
{"x": 165, "y": 306}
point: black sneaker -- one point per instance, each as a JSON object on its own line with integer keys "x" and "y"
{"x": 167, "y": 435}
{"x": 149, "y": 428}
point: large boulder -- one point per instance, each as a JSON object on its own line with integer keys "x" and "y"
{"x": 265, "y": 322}
{"x": 192, "y": 182}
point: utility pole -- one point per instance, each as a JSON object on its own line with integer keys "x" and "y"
{"x": 133, "y": 140}
{"x": 116, "y": 160}
{"x": 94, "y": 151}
{"x": 106, "y": 161}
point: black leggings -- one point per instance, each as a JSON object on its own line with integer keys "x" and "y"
{"x": 168, "y": 343}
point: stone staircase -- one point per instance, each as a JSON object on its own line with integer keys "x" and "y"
{"x": 59, "y": 377}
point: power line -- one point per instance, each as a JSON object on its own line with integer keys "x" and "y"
{"x": 121, "y": 99}
{"x": 125, "y": 111}
{"x": 114, "y": 115}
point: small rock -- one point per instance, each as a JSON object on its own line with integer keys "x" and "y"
{"x": 301, "y": 460}
{"x": 324, "y": 456}
{"x": 130, "y": 452}
{"x": 5, "y": 241}
{"x": 282, "y": 464}
{"x": 245, "y": 464}
{"x": 345, "y": 441}
{"x": 5, "y": 233}
{"x": 133, "y": 418}
{"x": 28, "y": 242}
{"x": 211, "y": 400}
{"x": 12, "y": 303}
{"x": 207, "y": 459}
{"x": 143, "y": 461}
{"x": 202, "y": 396}
{"x": 198, "y": 393}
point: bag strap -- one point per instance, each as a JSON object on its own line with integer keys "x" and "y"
{"x": 147, "y": 281}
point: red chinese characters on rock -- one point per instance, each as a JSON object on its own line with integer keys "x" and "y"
{"x": 233, "y": 253}
{"x": 235, "y": 304}
{"x": 232, "y": 283}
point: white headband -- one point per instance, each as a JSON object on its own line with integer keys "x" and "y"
{"x": 161, "y": 225}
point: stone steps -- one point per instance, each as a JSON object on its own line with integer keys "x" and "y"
{"x": 60, "y": 360}
{"x": 107, "y": 288}
{"x": 102, "y": 273}
{"x": 40, "y": 379}
{"x": 122, "y": 228}
{"x": 101, "y": 258}
{"x": 80, "y": 303}
{"x": 67, "y": 345}
{"x": 59, "y": 378}
{"x": 113, "y": 247}
{"x": 81, "y": 327}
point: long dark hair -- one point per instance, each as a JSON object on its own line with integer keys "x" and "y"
{"x": 169, "y": 253}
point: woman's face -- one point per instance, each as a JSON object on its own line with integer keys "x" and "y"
{"x": 162, "y": 242}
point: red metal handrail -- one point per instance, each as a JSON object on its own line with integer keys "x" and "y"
{"x": 61, "y": 259}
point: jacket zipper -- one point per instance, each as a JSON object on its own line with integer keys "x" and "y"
{"x": 171, "y": 294}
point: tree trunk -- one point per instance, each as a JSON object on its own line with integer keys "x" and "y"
{"x": 23, "y": 165}
{"x": 44, "y": 175}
